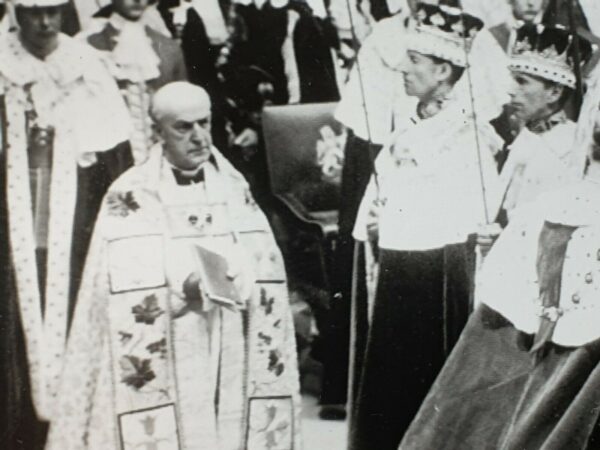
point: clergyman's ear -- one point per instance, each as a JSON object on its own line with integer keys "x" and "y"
{"x": 156, "y": 130}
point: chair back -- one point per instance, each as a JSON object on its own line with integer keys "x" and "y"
{"x": 304, "y": 147}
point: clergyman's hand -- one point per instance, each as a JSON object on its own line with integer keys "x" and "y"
{"x": 191, "y": 289}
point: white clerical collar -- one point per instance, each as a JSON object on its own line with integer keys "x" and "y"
{"x": 190, "y": 173}
{"x": 210, "y": 162}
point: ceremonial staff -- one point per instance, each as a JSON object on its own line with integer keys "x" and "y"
{"x": 488, "y": 219}
{"x": 355, "y": 44}
{"x": 478, "y": 258}
{"x": 358, "y": 313}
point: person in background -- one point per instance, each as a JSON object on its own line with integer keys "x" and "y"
{"x": 64, "y": 127}
{"x": 539, "y": 158}
{"x": 199, "y": 29}
{"x": 183, "y": 333}
{"x": 141, "y": 60}
{"x": 374, "y": 103}
{"x": 382, "y": 88}
{"x": 151, "y": 17}
{"x": 435, "y": 185}
{"x": 543, "y": 69}
{"x": 286, "y": 40}
{"x": 187, "y": 22}
{"x": 279, "y": 52}
{"x": 553, "y": 14}
{"x": 523, "y": 11}
{"x": 525, "y": 372}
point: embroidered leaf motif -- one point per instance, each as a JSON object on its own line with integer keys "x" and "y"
{"x": 125, "y": 337}
{"x": 271, "y": 432}
{"x": 136, "y": 372}
{"x": 148, "y": 311}
{"x": 265, "y": 338}
{"x": 121, "y": 203}
{"x": 271, "y": 435}
{"x": 159, "y": 347}
{"x": 271, "y": 413}
{"x": 330, "y": 154}
{"x": 275, "y": 364}
{"x": 266, "y": 302}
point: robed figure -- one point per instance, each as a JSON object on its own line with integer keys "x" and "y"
{"x": 286, "y": 40}
{"x": 525, "y": 372}
{"x": 155, "y": 355}
{"x": 375, "y": 103}
{"x": 540, "y": 159}
{"x": 63, "y": 123}
{"x": 141, "y": 59}
{"x": 433, "y": 187}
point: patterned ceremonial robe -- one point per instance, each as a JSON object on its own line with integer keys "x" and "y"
{"x": 539, "y": 160}
{"x": 374, "y": 104}
{"x": 431, "y": 200}
{"x": 63, "y": 124}
{"x": 142, "y": 62}
{"x": 516, "y": 289}
{"x": 429, "y": 180}
{"x": 145, "y": 367}
{"x": 526, "y": 370}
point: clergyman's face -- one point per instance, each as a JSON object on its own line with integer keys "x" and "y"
{"x": 186, "y": 136}
{"x": 420, "y": 74}
{"x": 530, "y": 96}
{"x": 527, "y": 10}
{"x": 39, "y": 26}
{"x": 130, "y": 9}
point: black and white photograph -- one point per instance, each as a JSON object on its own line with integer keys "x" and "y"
{"x": 300, "y": 224}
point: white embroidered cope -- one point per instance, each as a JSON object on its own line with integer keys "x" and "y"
{"x": 72, "y": 92}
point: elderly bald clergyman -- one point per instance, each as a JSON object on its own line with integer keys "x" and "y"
{"x": 183, "y": 333}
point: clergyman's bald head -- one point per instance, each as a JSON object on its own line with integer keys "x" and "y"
{"x": 178, "y": 99}
{"x": 181, "y": 111}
